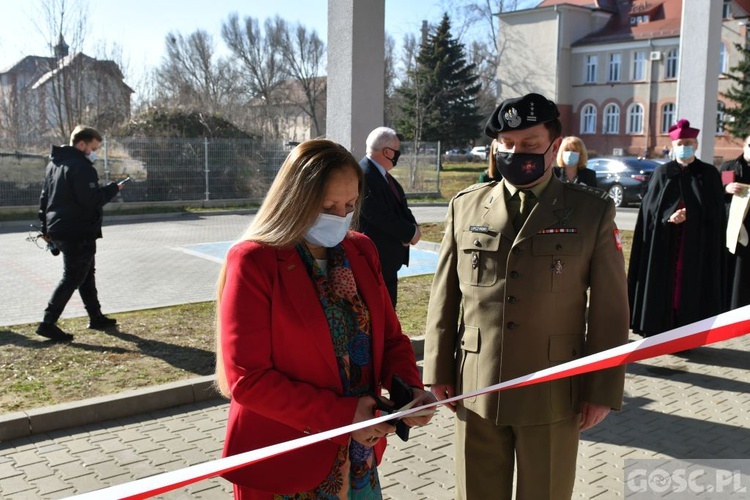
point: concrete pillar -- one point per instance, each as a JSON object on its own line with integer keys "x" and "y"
{"x": 698, "y": 83}
{"x": 356, "y": 71}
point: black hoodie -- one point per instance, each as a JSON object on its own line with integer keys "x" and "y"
{"x": 70, "y": 206}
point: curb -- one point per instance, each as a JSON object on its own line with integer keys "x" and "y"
{"x": 125, "y": 404}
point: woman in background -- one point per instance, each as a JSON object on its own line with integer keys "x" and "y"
{"x": 571, "y": 163}
{"x": 307, "y": 335}
{"x": 492, "y": 173}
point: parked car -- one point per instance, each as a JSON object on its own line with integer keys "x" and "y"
{"x": 479, "y": 153}
{"x": 458, "y": 155}
{"x": 624, "y": 178}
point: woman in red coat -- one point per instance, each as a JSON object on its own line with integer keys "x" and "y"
{"x": 307, "y": 334}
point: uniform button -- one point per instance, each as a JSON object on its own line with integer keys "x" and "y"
{"x": 558, "y": 247}
{"x": 477, "y": 243}
{"x": 514, "y": 274}
{"x": 511, "y": 325}
{"x": 511, "y": 299}
{"x": 575, "y": 353}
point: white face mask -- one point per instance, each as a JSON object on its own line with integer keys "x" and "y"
{"x": 570, "y": 158}
{"x": 92, "y": 156}
{"x": 329, "y": 230}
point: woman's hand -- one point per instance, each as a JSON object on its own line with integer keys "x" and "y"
{"x": 422, "y": 397}
{"x": 678, "y": 217}
{"x": 369, "y": 435}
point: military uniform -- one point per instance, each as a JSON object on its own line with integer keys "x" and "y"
{"x": 505, "y": 303}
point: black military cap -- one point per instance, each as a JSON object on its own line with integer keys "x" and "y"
{"x": 521, "y": 113}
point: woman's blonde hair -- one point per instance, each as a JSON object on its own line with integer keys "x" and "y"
{"x": 291, "y": 206}
{"x": 573, "y": 143}
{"x": 491, "y": 163}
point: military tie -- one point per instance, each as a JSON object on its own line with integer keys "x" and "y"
{"x": 528, "y": 201}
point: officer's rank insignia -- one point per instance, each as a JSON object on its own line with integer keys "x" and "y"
{"x": 558, "y": 266}
{"x": 618, "y": 240}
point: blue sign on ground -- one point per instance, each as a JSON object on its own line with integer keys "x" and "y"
{"x": 420, "y": 261}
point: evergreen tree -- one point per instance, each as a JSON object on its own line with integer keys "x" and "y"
{"x": 440, "y": 93}
{"x": 740, "y": 94}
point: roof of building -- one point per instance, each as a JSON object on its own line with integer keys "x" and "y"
{"x": 637, "y": 19}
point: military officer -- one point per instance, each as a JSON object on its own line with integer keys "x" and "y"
{"x": 517, "y": 261}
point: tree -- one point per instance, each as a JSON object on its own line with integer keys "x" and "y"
{"x": 192, "y": 76}
{"x": 440, "y": 94}
{"x": 262, "y": 70}
{"x": 739, "y": 127}
{"x": 303, "y": 54}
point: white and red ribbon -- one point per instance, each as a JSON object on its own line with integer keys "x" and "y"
{"x": 722, "y": 327}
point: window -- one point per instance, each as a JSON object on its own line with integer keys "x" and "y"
{"x": 591, "y": 64}
{"x": 672, "y": 63}
{"x": 639, "y": 66}
{"x": 720, "y": 118}
{"x": 726, "y": 12}
{"x": 723, "y": 59}
{"x": 667, "y": 117}
{"x": 614, "y": 68}
{"x": 635, "y": 119}
{"x": 588, "y": 119}
{"x": 611, "y": 122}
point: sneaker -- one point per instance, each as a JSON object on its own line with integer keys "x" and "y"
{"x": 102, "y": 322}
{"x": 53, "y": 332}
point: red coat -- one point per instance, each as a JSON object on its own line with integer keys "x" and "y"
{"x": 280, "y": 363}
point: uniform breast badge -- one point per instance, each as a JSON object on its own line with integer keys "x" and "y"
{"x": 474, "y": 260}
{"x": 558, "y": 266}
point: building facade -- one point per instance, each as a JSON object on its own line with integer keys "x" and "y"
{"x": 49, "y": 96}
{"x": 612, "y": 66}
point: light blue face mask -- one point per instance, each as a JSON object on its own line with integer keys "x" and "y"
{"x": 92, "y": 156}
{"x": 329, "y": 230}
{"x": 684, "y": 152}
{"x": 570, "y": 158}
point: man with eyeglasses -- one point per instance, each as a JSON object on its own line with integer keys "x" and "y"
{"x": 738, "y": 263}
{"x": 385, "y": 216}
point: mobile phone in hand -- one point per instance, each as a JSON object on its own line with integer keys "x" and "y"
{"x": 126, "y": 179}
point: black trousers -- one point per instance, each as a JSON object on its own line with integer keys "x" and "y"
{"x": 78, "y": 273}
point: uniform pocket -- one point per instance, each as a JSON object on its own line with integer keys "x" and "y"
{"x": 557, "y": 262}
{"x": 478, "y": 258}
{"x": 565, "y": 392}
{"x": 469, "y": 366}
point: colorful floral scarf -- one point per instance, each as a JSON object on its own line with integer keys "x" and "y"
{"x": 354, "y": 475}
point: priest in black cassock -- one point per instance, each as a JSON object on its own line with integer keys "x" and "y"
{"x": 738, "y": 263}
{"x": 676, "y": 271}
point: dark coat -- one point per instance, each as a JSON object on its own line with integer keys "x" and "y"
{"x": 585, "y": 176}
{"x": 386, "y": 219}
{"x": 738, "y": 263}
{"x": 656, "y": 242}
{"x": 71, "y": 203}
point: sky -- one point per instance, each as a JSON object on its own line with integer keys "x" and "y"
{"x": 139, "y": 27}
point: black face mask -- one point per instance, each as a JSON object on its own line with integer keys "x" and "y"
{"x": 396, "y": 154}
{"x": 521, "y": 169}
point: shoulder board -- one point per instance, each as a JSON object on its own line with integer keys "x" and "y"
{"x": 475, "y": 187}
{"x": 599, "y": 193}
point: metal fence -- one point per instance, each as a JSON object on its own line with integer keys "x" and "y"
{"x": 190, "y": 170}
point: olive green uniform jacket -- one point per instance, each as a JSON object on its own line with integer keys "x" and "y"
{"x": 504, "y": 305}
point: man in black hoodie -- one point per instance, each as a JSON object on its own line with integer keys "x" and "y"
{"x": 70, "y": 209}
